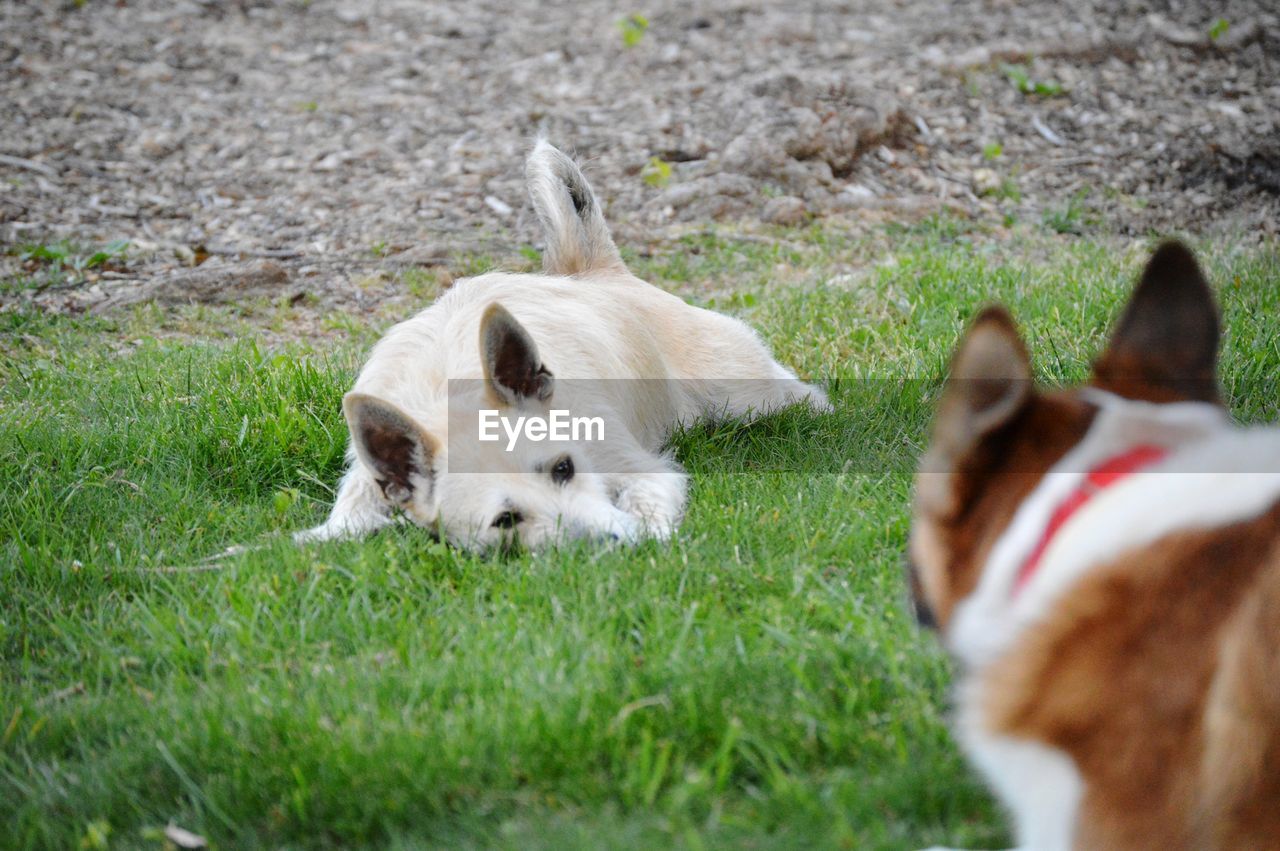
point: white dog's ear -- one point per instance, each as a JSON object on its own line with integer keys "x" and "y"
{"x": 512, "y": 368}
{"x": 391, "y": 444}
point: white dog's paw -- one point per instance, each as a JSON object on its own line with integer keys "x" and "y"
{"x": 659, "y": 526}
{"x": 662, "y": 529}
{"x": 629, "y": 529}
{"x": 622, "y": 528}
{"x": 656, "y": 501}
{"x": 313, "y": 535}
{"x": 354, "y": 526}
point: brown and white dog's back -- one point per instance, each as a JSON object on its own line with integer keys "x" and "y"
{"x": 1104, "y": 564}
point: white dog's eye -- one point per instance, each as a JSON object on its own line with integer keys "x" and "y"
{"x": 562, "y": 472}
{"x": 507, "y": 520}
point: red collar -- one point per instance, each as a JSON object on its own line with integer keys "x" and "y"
{"x": 1115, "y": 469}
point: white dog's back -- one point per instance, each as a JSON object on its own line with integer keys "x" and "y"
{"x": 587, "y": 331}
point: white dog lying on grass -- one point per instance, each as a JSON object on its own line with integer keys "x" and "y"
{"x": 586, "y": 352}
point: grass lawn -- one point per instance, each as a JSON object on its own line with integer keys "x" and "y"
{"x": 755, "y": 683}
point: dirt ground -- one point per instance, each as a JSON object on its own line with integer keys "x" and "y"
{"x": 293, "y": 148}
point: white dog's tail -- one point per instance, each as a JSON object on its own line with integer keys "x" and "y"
{"x": 578, "y": 240}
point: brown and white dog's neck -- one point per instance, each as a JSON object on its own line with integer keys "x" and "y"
{"x": 965, "y": 499}
{"x": 1126, "y": 696}
{"x": 987, "y": 621}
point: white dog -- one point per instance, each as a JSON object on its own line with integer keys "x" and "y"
{"x": 485, "y": 355}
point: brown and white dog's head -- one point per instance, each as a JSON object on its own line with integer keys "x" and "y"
{"x": 996, "y": 435}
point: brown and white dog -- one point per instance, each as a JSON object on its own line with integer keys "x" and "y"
{"x": 1104, "y": 565}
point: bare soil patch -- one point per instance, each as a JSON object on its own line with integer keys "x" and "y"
{"x": 293, "y": 149}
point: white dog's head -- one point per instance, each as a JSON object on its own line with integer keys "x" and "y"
{"x": 487, "y": 494}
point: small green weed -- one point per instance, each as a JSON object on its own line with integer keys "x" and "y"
{"x": 633, "y": 28}
{"x": 1069, "y": 218}
{"x": 422, "y": 284}
{"x": 64, "y": 263}
{"x": 1008, "y": 190}
{"x": 1021, "y": 79}
{"x": 656, "y": 173}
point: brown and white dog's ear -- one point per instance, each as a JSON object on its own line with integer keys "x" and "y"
{"x": 988, "y": 386}
{"x": 391, "y": 443}
{"x": 1165, "y": 347}
{"x": 512, "y": 369}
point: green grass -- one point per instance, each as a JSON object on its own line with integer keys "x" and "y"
{"x": 755, "y": 683}
{"x": 59, "y": 264}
